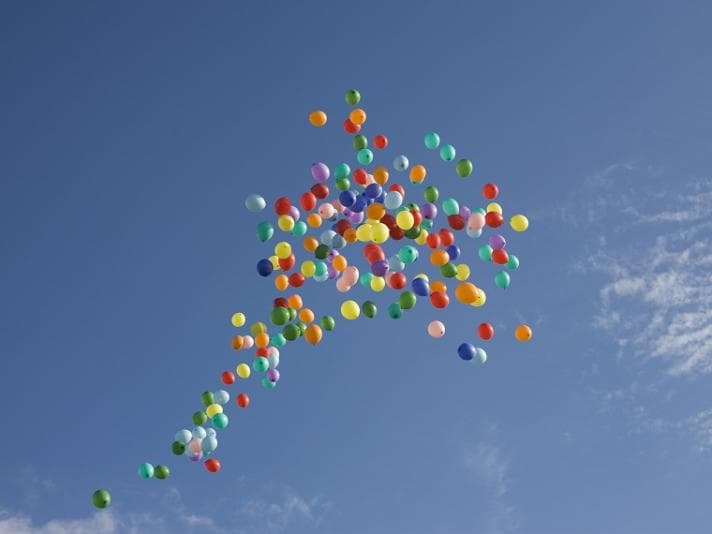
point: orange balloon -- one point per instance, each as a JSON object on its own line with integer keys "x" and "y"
{"x": 339, "y": 263}
{"x": 380, "y": 175}
{"x": 310, "y": 243}
{"x": 466, "y": 292}
{"x": 313, "y": 334}
{"x": 439, "y": 257}
{"x": 314, "y": 220}
{"x": 375, "y": 211}
{"x": 438, "y": 286}
{"x": 262, "y": 340}
{"x": 523, "y": 333}
{"x": 317, "y": 118}
{"x": 350, "y": 235}
{"x": 295, "y": 301}
{"x": 306, "y": 315}
{"x": 238, "y": 342}
{"x": 358, "y": 116}
{"x": 417, "y": 174}
{"x": 281, "y": 282}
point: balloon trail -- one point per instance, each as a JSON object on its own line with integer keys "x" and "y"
{"x": 363, "y": 210}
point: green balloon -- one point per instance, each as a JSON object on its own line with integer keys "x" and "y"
{"x": 485, "y": 253}
{"x": 260, "y": 364}
{"x": 413, "y": 232}
{"x": 279, "y": 316}
{"x": 302, "y": 327}
{"x": 464, "y": 168}
{"x": 342, "y": 170}
{"x": 451, "y": 207}
{"x": 291, "y": 332}
{"x": 292, "y": 314}
{"x": 408, "y": 254}
{"x": 407, "y": 300}
{"x": 278, "y": 340}
{"x": 265, "y": 231}
{"x": 199, "y": 418}
{"x": 328, "y": 323}
{"x": 431, "y": 193}
{"x": 364, "y": 156}
{"x": 501, "y": 279}
{"x": 258, "y": 327}
{"x": 267, "y": 383}
{"x": 300, "y": 229}
{"x": 145, "y": 470}
{"x": 321, "y": 252}
{"x": 513, "y": 263}
{"x": 360, "y": 142}
{"x": 220, "y": 420}
{"x": 162, "y": 472}
{"x": 448, "y": 270}
{"x": 369, "y": 309}
{"x": 343, "y": 184}
{"x": 352, "y": 97}
{"x": 207, "y": 398}
{"x": 447, "y": 153}
{"x": 412, "y": 206}
{"x": 101, "y": 498}
{"x": 395, "y": 311}
{"x": 432, "y": 141}
{"x": 177, "y": 448}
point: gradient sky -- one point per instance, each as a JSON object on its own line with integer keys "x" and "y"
{"x": 130, "y": 134}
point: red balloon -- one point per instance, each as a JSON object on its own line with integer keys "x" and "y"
{"x": 433, "y": 240}
{"x": 456, "y": 222}
{"x": 490, "y": 191}
{"x": 397, "y": 280}
{"x": 380, "y": 142}
{"x": 212, "y": 465}
{"x": 261, "y": 352}
{"x": 446, "y": 237}
{"x": 351, "y": 128}
{"x": 282, "y": 205}
{"x": 360, "y": 176}
{"x": 242, "y": 400}
{"x": 485, "y": 331}
{"x": 397, "y": 233}
{"x": 493, "y": 219}
{"x": 287, "y": 263}
{"x": 500, "y": 256}
{"x": 374, "y": 256}
{"x": 397, "y": 187}
{"x": 320, "y": 191}
{"x": 439, "y": 299}
{"x": 308, "y": 201}
{"x": 370, "y": 248}
{"x": 280, "y": 302}
{"x": 228, "y": 377}
{"x": 341, "y": 226}
{"x": 417, "y": 217}
{"x": 296, "y": 279}
{"x": 389, "y": 220}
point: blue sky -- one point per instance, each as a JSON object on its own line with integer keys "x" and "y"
{"x": 130, "y": 134}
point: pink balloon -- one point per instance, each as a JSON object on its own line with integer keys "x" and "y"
{"x": 436, "y": 329}
{"x": 248, "y": 341}
{"x": 350, "y": 275}
{"x": 326, "y": 210}
{"x": 342, "y": 286}
{"x": 194, "y": 445}
{"x": 476, "y": 221}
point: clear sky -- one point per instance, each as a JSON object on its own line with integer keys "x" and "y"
{"x": 130, "y": 134}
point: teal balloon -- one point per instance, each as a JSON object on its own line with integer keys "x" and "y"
{"x": 352, "y": 97}
{"x": 177, "y": 448}
{"x": 485, "y": 253}
{"x": 395, "y": 311}
{"x": 464, "y": 168}
{"x": 278, "y": 340}
{"x": 260, "y": 364}
{"x": 267, "y": 383}
{"x": 408, "y": 254}
{"x": 365, "y": 279}
{"x": 448, "y": 270}
{"x": 407, "y": 300}
{"x": 501, "y": 279}
{"x": 162, "y": 472}
{"x": 481, "y": 211}
{"x": 199, "y": 418}
{"x": 320, "y": 268}
{"x": 207, "y": 398}
{"x": 364, "y": 156}
{"x": 432, "y": 140}
{"x": 101, "y": 498}
{"x": 342, "y": 170}
{"x": 427, "y": 224}
{"x": 328, "y": 323}
{"x": 360, "y": 142}
{"x": 145, "y": 470}
{"x": 451, "y": 206}
{"x": 220, "y": 421}
{"x": 447, "y": 152}
{"x": 431, "y": 193}
{"x": 300, "y": 229}
{"x": 291, "y": 332}
{"x": 343, "y": 184}
{"x": 369, "y": 309}
{"x": 513, "y": 263}
{"x": 265, "y": 231}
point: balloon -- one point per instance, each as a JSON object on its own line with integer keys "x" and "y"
{"x": 523, "y": 333}
{"x": 400, "y": 163}
{"x": 407, "y": 300}
{"x": 463, "y": 272}
{"x": 466, "y": 292}
{"x": 502, "y": 280}
{"x": 418, "y": 174}
{"x": 420, "y": 287}
{"x": 447, "y": 153}
{"x": 466, "y": 351}
{"x": 243, "y": 371}
{"x": 439, "y": 300}
{"x": 264, "y": 267}
{"x": 145, "y": 470}
{"x": 255, "y": 203}
{"x": 500, "y": 256}
{"x": 364, "y": 156}
{"x": 101, "y": 498}
{"x": 272, "y": 375}
{"x": 485, "y": 252}
{"x": 212, "y": 465}
{"x": 350, "y": 310}
{"x": 405, "y": 220}
{"x": 451, "y": 206}
{"x": 493, "y": 219}
{"x": 432, "y": 140}
{"x": 476, "y": 221}
{"x": 317, "y": 118}
{"x": 513, "y": 263}
{"x": 227, "y": 377}
{"x": 369, "y": 309}
{"x": 380, "y": 142}
{"x": 328, "y": 323}
{"x": 183, "y": 436}
{"x": 162, "y": 472}
{"x": 238, "y": 319}
{"x": 199, "y": 418}
{"x": 208, "y": 445}
{"x": 436, "y": 329}
{"x": 485, "y": 331}
{"x": 207, "y": 398}
{"x": 519, "y": 223}
{"x": 267, "y": 383}
{"x": 357, "y": 116}
{"x": 497, "y": 241}
{"x": 260, "y": 364}
{"x": 495, "y": 207}
{"x": 221, "y": 397}
{"x": 320, "y": 171}
{"x": 220, "y": 421}
{"x": 178, "y": 448}
{"x": 395, "y": 311}
{"x": 408, "y": 254}
{"x": 199, "y": 432}
{"x": 464, "y": 168}
{"x": 242, "y": 400}
{"x": 313, "y": 334}
{"x": 480, "y": 355}
{"x": 393, "y": 200}
{"x": 490, "y": 191}
{"x": 350, "y": 127}
{"x": 352, "y": 97}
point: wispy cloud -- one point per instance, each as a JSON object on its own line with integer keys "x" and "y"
{"x": 99, "y": 523}
{"x": 276, "y": 515}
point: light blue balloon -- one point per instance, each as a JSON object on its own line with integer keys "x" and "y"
{"x": 321, "y": 277}
{"x": 395, "y": 264}
{"x": 400, "y": 163}
{"x": 221, "y": 396}
{"x": 199, "y": 432}
{"x": 393, "y": 200}
{"x": 255, "y": 203}
{"x": 480, "y": 355}
{"x": 208, "y": 445}
{"x": 273, "y": 360}
{"x": 210, "y": 433}
{"x": 338, "y": 242}
{"x": 184, "y": 436}
{"x": 474, "y": 233}
{"x": 326, "y": 237}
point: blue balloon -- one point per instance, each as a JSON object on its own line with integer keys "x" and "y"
{"x": 453, "y": 251}
{"x": 347, "y": 198}
{"x": 255, "y": 203}
{"x": 359, "y": 205}
{"x": 373, "y": 191}
{"x": 420, "y": 287}
{"x": 466, "y": 351}
{"x": 265, "y": 267}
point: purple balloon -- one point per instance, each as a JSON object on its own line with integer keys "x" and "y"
{"x": 356, "y": 218}
{"x": 380, "y": 267}
{"x": 429, "y": 211}
{"x": 497, "y": 241}
{"x": 294, "y": 213}
{"x": 465, "y": 212}
{"x": 320, "y": 172}
{"x": 272, "y": 375}
{"x": 332, "y": 254}
{"x": 331, "y": 271}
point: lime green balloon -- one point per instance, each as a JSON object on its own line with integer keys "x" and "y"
{"x": 513, "y": 263}
{"x": 258, "y": 328}
{"x": 207, "y": 398}
{"x": 260, "y": 364}
{"x": 451, "y": 206}
{"x": 342, "y": 170}
{"x": 279, "y": 316}
{"x": 101, "y": 498}
{"x": 328, "y": 323}
{"x": 199, "y": 418}
{"x": 464, "y": 168}
{"x": 300, "y": 229}
{"x": 220, "y": 420}
{"x": 360, "y": 142}
{"x": 432, "y": 140}
{"x": 485, "y": 253}
{"x": 291, "y": 332}
{"x": 501, "y": 279}
{"x": 369, "y": 309}
{"x": 431, "y": 193}
{"x": 447, "y": 152}
{"x": 292, "y": 314}
{"x": 395, "y": 311}
{"x": 265, "y": 231}
{"x": 407, "y": 300}
{"x": 364, "y": 156}
{"x": 343, "y": 184}
{"x": 352, "y": 97}
{"x": 162, "y": 472}
{"x": 177, "y": 448}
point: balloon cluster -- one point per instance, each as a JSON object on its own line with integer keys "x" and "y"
{"x": 364, "y": 209}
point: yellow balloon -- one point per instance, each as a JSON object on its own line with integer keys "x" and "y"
{"x": 213, "y": 410}
{"x": 494, "y": 206}
{"x": 243, "y": 370}
{"x": 364, "y": 233}
{"x": 519, "y": 222}
{"x": 378, "y": 283}
{"x": 285, "y": 223}
{"x": 238, "y": 319}
{"x": 282, "y": 250}
{"x": 275, "y": 262}
{"x": 423, "y": 276}
{"x": 463, "y": 272}
{"x": 380, "y": 232}
{"x": 422, "y": 237}
{"x": 405, "y": 220}
{"x": 308, "y": 268}
{"x": 481, "y": 298}
{"x": 317, "y": 118}
{"x": 350, "y": 309}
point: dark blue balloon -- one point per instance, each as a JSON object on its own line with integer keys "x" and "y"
{"x": 466, "y": 351}
{"x": 359, "y": 205}
{"x": 264, "y": 267}
{"x": 373, "y": 190}
{"x": 420, "y": 287}
{"x": 381, "y": 198}
{"x": 453, "y": 251}
{"x": 347, "y": 198}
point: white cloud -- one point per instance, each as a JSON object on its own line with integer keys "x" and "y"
{"x": 103, "y": 522}
{"x": 700, "y": 425}
{"x": 270, "y": 515}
